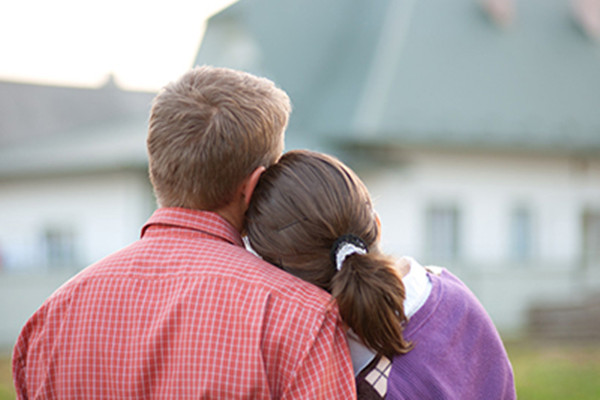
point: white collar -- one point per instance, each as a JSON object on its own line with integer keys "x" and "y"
{"x": 418, "y": 287}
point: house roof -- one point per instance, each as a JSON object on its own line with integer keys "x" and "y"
{"x": 427, "y": 72}
{"x": 112, "y": 145}
{"x": 56, "y": 129}
{"x": 31, "y": 111}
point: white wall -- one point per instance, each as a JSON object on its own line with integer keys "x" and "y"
{"x": 486, "y": 188}
{"x": 104, "y": 211}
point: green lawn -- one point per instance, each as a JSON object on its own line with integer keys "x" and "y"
{"x": 541, "y": 372}
{"x": 552, "y": 372}
{"x": 6, "y": 387}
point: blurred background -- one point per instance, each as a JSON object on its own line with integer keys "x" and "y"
{"x": 474, "y": 123}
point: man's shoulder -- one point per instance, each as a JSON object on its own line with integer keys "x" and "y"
{"x": 279, "y": 283}
{"x": 216, "y": 261}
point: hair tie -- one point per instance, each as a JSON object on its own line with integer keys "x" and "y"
{"x": 344, "y": 247}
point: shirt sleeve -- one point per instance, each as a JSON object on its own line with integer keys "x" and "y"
{"x": 21, "y": 349}
{"x": 18, "y": 366}
{"x": 325, "y": 370}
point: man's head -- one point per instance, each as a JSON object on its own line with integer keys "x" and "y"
{"x": 208, "y": 131}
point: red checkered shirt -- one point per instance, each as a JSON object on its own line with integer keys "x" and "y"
{"x": 185, "y": 312}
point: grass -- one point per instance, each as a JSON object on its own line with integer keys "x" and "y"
{"x": 6, "y": 386}
{"x": 556, "y": 372}
{"x": 542, "y": 371}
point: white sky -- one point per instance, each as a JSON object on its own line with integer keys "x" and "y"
{"x": 145, "y": 44}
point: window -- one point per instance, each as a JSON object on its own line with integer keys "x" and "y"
{"x": 442, "y": 233}
{"x": 591, "y": 238}
{"x": 59, "y": 247}
{"x": 521, "y": 234}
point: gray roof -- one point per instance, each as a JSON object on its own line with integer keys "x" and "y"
{"x": 422, "y": 73}
{"x": 29, "y": 112}
{"x": 55, "y": 129}
{"x": 109, "y": 146}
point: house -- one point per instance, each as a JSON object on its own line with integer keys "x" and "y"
{"x": 475, "y": 125}
{"x": 73, "y": 186}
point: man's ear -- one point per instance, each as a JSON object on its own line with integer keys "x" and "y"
{"x": 250, "y": 184}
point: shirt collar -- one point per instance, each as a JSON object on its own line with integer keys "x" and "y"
{"x": 417, "y": 287}
{"x": 203, "y": 221}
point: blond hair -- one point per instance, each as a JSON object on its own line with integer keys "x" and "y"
{"x": 299, "y": 209}
{"x": 208, "y": 131}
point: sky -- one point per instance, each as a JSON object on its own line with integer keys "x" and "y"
{"x": 143, "y": 44}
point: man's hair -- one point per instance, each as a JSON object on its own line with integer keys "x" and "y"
{"x": 208, "y": 131}
{"x": 300, "y": 208}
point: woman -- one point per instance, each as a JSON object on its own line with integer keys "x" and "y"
{"x": 313, "y": 217}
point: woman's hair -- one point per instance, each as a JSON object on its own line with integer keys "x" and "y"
{"x": 299, "y": 209}
{"x": 208, "y": 131}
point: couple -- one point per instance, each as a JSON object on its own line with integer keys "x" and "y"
{"x": 188, "y": 312}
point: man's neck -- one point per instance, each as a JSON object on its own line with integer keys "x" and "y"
{"x": 233, "y": 213}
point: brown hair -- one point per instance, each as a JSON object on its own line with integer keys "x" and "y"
{"x": 208, "y": 131}
{"x": 300, "y": 207}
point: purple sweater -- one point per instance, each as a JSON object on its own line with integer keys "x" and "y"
{"x": 457, "y": 351}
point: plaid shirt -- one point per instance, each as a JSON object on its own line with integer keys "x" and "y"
{"x": 185, "y": 312}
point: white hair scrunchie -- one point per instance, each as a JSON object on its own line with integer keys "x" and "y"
{"x": 344, "y": 251}
{"x": 344, "y": 247}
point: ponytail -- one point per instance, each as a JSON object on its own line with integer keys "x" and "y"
{"x": 313, "y": 217}
{"x": 370, "y": 297}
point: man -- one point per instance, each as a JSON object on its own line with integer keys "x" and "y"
{"x": 186, "y": 311}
